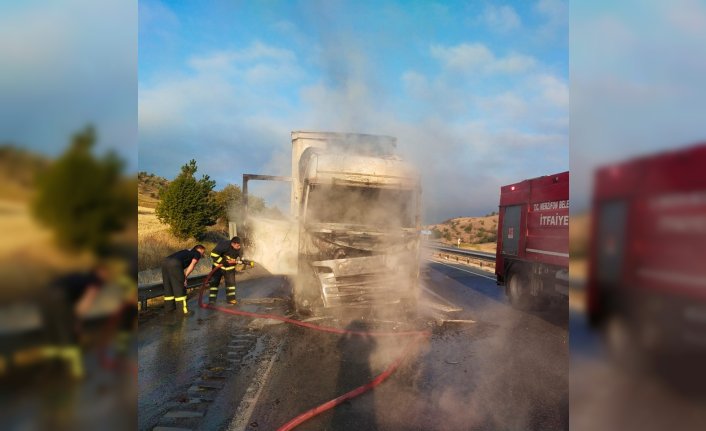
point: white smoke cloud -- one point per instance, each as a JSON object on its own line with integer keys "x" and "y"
{"x": 474, "y": 120}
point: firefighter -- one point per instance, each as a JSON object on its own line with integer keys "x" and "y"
{"x": 175, "y": 269}
{"x": 65, "y": 301}
{"x": 126, "y": 316}
{"x": 225, "y": 256}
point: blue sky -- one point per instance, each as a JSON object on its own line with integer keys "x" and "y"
{"x": 66, "y": 64}
{"x": 637, "y": 82}
{"x": 475, "y": 92}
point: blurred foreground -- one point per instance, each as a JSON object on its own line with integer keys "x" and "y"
{"x": 639, "y": 337}
{"x": 68, "y": 358}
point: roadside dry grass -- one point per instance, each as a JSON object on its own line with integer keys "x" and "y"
{"x": 471, "y": 230}
{"x": 154, "y": 241}
{"x": 29, "y": 257}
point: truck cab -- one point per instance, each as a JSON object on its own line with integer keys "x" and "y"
{"x": 355, "y": 220}
{"x": 532, "y": 258}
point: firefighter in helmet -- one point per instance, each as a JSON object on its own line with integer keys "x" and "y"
{"x": 225, "y": 256}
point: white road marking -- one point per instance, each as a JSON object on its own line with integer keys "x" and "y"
{"x": 243, "y": 413}
{"x": 461, "y": 269}
{"x": 446, "y": 301}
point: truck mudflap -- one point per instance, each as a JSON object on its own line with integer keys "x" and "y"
{"x": 365, "y": 281}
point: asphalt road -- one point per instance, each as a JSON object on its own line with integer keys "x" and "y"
{"x": 608, "y": 396}
{"x": 506, "y": 370}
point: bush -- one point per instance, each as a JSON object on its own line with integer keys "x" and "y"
{"x": 188, "y": 205}
{"x": 489, "y": 237}
{"x": 230, "y": 204}
{"x": 84, "y": 199}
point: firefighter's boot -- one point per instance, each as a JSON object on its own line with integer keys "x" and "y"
{"x": 169, "y": 303}
{"x": 212, "y": 294}
{"x": 181, "y": 305}
{"x": 230, "y": 295}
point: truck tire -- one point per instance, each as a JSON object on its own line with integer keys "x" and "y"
{"x": 307, "y": 300}
{"x": 518, "y": 293}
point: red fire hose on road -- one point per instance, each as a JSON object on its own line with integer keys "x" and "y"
{"x": 418, "y": 335}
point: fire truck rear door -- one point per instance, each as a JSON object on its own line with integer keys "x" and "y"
{"x": 511, "y": 229}
{"x": 611, "y": 241}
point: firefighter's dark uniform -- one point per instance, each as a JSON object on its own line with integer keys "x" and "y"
{"x": 61, "y": 321}
{"x": 173, "y": 278}
{"x": 127, "y": 314}
{"x": 220, "y": 255}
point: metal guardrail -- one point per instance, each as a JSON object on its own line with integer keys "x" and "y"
{"x": 470, "y": 253}
{"x": 155, "y": 290}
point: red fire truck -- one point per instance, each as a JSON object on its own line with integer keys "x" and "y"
{"x": 646, "y": 284}
{"x": 532, "y": 257}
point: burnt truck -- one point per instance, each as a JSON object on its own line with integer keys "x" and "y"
{"x": 532, "y": 256}
{"x": 352, "y": 238}
{"x": 646, "y": 282}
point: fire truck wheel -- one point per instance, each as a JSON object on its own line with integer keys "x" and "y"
{"x": 518, "y": 292}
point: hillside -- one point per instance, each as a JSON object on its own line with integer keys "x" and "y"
{"x": 475, "y": 232}
{"x": 148, "y": 187}
{"x": 18, "y": 170}
{"x": 579, "y": 231}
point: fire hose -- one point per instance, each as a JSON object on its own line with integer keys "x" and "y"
{"x": 380, "y": 378}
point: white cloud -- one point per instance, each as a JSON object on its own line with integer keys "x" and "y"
{"x": 226, "y": 60}
{"x": 554, "y": 90}
{"x": 556, "y": 11}
{"x": 687, "y": 16}
{"x": 502, "y": 19}
{"x": 508, "y": 105}
{"x": 476, "y": 57}
{"x": 556, "y": 16}
{"x": 216, "y": 112}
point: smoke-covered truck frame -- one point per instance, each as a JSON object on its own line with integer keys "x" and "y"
{"x": 353, "y": 237}
{"x": 532, "y": 258}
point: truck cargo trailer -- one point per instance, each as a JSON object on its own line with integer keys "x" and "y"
{"x": 353, "y": 234}
{"x": 532, "y": 257}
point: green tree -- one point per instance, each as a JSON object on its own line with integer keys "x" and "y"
{"x": 83, "y": 198}
{"x": 229, "y": 201}
{"x": 230, "y": 204}
{"x": 188, "y": 205}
